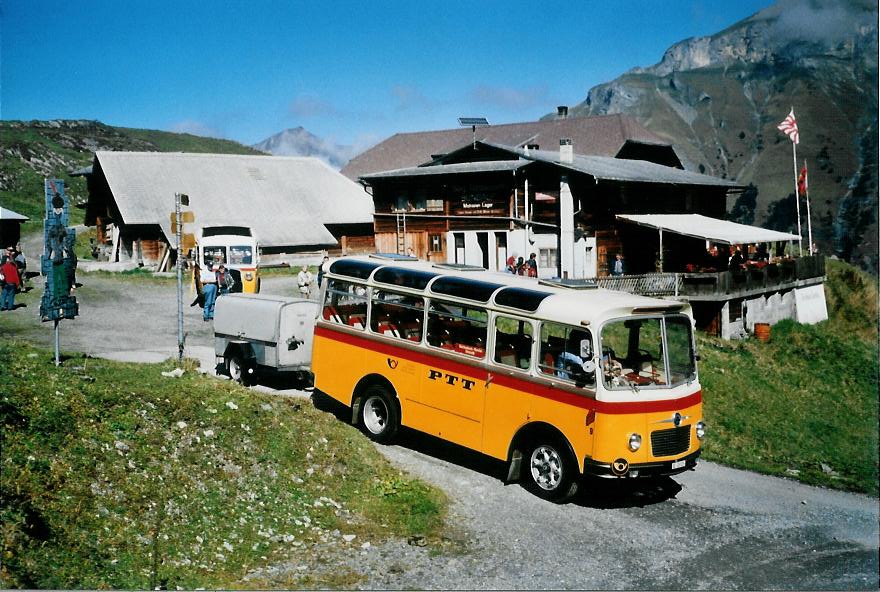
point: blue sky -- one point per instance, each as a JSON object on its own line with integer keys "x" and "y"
{"x": 351, "y": 72}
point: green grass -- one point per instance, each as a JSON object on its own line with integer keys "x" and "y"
{"x": 175, "y": 142}
{"x": 806, "y": 398}
{"x": 114, "y": 476}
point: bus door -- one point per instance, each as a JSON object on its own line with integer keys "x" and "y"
{"x": 508, "y": 397}
{"x": 452, "y": 393}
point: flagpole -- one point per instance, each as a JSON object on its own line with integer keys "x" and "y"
{"x": 797, "y": 199}
{"x": 807, "y": 192}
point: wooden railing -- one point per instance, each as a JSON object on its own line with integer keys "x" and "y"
{"x": 770, "y": 277}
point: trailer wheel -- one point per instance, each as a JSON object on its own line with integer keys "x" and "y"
{"x": 238, "y": 371}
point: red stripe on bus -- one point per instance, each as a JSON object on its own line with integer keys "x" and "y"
{"x": 546, "y": 392}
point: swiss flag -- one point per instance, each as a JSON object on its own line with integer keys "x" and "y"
{"x": 802, "y": 181}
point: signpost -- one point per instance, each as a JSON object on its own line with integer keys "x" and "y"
{"x": 58, "y": 261}
{"x": 185, "y": 241}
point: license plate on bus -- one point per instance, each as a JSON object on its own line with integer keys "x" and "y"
{"x": 677, "y": 464}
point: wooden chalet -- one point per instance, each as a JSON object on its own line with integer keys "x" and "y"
{"x": 575, "y": 206}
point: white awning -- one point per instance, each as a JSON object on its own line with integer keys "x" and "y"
{"x": 6, "y": 214}
{"x": 713, "y": 229}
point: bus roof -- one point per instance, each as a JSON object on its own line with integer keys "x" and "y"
{"x": 501, "y": 291}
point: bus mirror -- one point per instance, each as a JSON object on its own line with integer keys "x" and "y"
{"x": 586, "y": 349}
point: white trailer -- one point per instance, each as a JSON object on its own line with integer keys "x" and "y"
{"x": 260, "y": 332}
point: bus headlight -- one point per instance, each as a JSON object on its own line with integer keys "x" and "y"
{"x": 248, "y": 276}
{"x": 635, "y": 442}
{"x": 700, "y": 429}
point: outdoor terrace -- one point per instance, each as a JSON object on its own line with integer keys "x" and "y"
{"x": 724, "y": 285}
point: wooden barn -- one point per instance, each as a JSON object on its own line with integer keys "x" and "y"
{"x": 291, "y": 204}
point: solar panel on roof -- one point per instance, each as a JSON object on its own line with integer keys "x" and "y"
{"x": 464, "y": 121}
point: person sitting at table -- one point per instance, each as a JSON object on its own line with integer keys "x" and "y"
{"x": 736, "y": 260}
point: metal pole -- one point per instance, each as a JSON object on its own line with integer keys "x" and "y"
{"x": 809, "y": 222}
{"x": 797, "y": 198}
{"x": 661, "y": 251}
{"x": 179, "y": 279}
{"x": 57, "y": 343}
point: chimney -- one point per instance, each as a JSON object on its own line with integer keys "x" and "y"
{"x": 562, "y": 112}
{"x": 566, "y": 150}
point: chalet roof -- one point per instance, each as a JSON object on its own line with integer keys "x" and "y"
{"x": 621, "y": 169}
{"x": 6, "y": 214}
{"x": 487, "y": 166}
{"x": 599, "y": 167}
{"x": 287, "y": 201}
{"x": 713, "y": 229}
{"x": 601, "y": 136}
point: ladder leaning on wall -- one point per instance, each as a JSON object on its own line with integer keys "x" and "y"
{"x": 401, "y": 233}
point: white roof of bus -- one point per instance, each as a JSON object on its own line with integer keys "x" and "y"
{"x": 566, "y": 305}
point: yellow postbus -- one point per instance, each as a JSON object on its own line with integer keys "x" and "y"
{"x": 553, "y": 380}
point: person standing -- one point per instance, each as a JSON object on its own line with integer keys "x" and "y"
{"x": 304, "y": 281}
{"x": 520, "y": 266}
{"x": 10, "y": 280}
{"x": 224, "y": 280}
{"x": 21, "y": 264}
{"x": 511, "y": 265}
{"x": 532, "y": 264}
{"x": 618, "y": 268}
{"x": 209, "y": 291}
{"x": 322, "y": 269}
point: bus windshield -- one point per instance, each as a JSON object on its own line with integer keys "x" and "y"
{"x": 647, "y": 352}
{"x": 241, "y": 255}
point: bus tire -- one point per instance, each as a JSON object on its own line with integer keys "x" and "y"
{"x": 378, "y": 416}
{"x": 549, "y": 472}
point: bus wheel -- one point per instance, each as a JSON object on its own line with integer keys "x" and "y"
{"x": 379, "y": 418}
{"x": 550, "y": 472}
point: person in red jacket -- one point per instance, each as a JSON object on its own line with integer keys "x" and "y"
{"x": 10, "y": 280}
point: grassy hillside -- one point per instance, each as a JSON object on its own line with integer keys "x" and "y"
{"x": 803, "y": 405}
{"x": 114, "y": 476}
{"x": 34, "y": 150}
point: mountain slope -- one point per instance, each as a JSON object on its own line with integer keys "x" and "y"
{"x": 300, "y": 142}
{"x": 718, "y": 99}
{"x": 33, "y": 150}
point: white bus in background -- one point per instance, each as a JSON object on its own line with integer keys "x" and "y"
{"x": 237, "y": 249}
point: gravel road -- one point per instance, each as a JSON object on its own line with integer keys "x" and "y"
{"x": 709, "y": 529}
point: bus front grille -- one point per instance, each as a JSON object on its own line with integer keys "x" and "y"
{"x": 670, "y": 442}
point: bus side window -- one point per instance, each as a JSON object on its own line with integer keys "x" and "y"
{"x": 513, "y": 342}
{"x": 397, "y": 315}
{"x": 561, "y": 354}
{"x": 458, "y": 328}
{"x": 344, "y": 305}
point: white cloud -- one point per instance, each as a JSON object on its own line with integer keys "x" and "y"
{"x": 409, "y": 98}
{"x": 311, "y": 106}
{"x": 506, "y": 97}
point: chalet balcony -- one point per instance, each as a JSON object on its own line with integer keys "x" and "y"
{"x": 725, "y": 285}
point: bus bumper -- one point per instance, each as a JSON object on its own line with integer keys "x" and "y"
{"x": 618, "y": 469}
